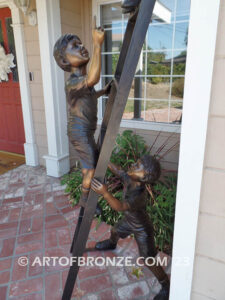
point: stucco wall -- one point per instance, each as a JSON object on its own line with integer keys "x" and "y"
{"x": 86, "y": 11}
{"x": 71, "y": 17}
{"x": 209, "y": 270}
{"x": 170, "y": 161}
{"x": 37, "y": 98}
{"x": 76, "y": 18}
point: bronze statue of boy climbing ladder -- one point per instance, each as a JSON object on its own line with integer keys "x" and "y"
{"x": 131, "y": 49}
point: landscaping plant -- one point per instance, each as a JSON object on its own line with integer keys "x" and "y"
{"x": 128, "y": 149}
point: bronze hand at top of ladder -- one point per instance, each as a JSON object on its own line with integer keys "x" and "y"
{"x": 131, "y": 49}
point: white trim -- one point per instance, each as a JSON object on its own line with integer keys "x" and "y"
{"x": 164, "y": 127}
{"x": 49, "y": 28}
{"x": 148, "y": 51}
{"x": 30, "y": 147}
{"x": 199, "y": 72}
{"x": 57, "y": 166}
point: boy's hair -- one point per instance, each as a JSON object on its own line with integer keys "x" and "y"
{"x": 59, "y": 51}
{"x": 152, "y": 168}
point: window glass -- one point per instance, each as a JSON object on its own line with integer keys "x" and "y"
{"x": 111, "y": 15}
{"x": 157, "y": 90}
{"x": 160, "y": 36}
{"x": 175, "y": 112}
{"x": 130, "y": 108}
{"x": 182, "y": 10}
{"x": 181, "y": 35}
{"x": 137, "y": 90}
{"x": 113, "y": 40}
{"x": 109, "y": 62}
{"x": 179, "y": 62}
{"x": 156, "y": 111}
{"x": 158, "y": 63}
{"x": 177, "y": 88}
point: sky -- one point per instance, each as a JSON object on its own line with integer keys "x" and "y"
{"x": 161, "y": 35}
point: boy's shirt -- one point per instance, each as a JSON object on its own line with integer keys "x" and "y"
{"x": 136, "y": 197}
{"x": 82, "y": 100}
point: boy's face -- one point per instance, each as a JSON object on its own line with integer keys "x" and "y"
{"x": 76, "y": 54}
{"x": 137, "y": 171}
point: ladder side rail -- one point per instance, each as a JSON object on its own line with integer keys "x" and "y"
{"x": 140, "y": 30}
{"x": 81, "y": 214}
{"x": 106, "y": 117}
{"x": 126, "y": 43}
{"x": 119, "y": 67}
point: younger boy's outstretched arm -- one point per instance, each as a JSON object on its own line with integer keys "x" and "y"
{"x": 95, "y": 66}
{"x": 101, "y": 189}
{"x": 116, "y": 170}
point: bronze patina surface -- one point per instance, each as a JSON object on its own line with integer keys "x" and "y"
{"x": 134, "y": 38}
{"x": 136, "y": 220}
{"x": 71, "y": 55}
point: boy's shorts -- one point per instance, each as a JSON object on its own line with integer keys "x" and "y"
{"x": 82, "y": 138}
{"x": 143, "y": 236}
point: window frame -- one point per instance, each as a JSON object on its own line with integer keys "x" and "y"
{"x": 145, "y": 125}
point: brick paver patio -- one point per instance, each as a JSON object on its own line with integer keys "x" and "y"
{"x": 36, "y": 220}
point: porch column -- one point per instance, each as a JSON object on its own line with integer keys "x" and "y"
{"x": 30, "y": 147}
{"x": 49, "y": 27}
{"x": 197, "y": 93}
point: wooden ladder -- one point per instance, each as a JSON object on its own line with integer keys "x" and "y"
{"x": 129, "y": 56}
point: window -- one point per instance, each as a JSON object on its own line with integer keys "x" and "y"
{"x": 156, "y": 95}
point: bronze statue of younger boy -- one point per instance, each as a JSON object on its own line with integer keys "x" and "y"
{"x": 72, "y": 56}
{"x": 136, "y": 220}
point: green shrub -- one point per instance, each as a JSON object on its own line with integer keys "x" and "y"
{"x": 161, "y": 209}
{"x": 178, "y": 88}
{"x": 73, "y": 183}
{"x": 128, "y": 148}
